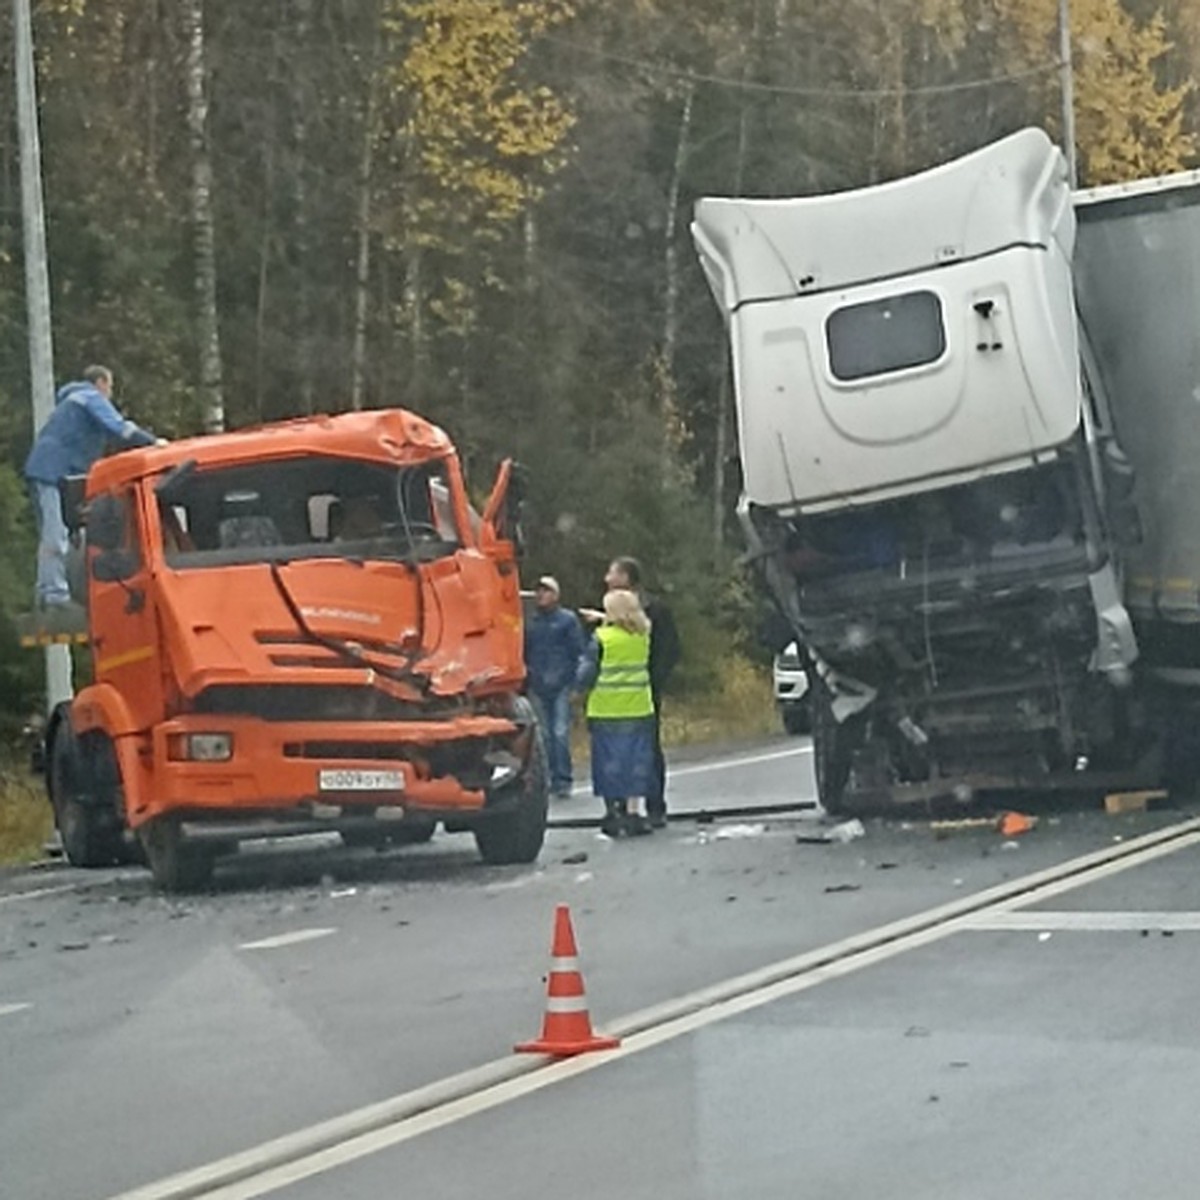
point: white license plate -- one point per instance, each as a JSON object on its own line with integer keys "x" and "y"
{"x": 360, "y": 781}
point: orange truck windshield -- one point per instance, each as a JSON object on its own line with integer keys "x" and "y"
{"x": 309, "y": 507}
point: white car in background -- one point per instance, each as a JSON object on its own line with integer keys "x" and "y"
{"x": 791, "y": 690}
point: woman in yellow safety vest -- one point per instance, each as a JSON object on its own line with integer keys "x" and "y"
{"x": 620, "y": 713}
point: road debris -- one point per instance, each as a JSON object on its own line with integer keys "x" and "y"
{"x": 1045, "y": 935}
{"x": 1010, "y": 845}
{"x": 574, "y": 860}
{"x": 731, "y": 833}
{"x": 941, "y": 829}
{"x": 1118, "y": 803}
{"x": 342, "y": 893}
{"x": 1014, "y": 824}
{"x": 843, "y": 887}
{"x": 846, "y": 831}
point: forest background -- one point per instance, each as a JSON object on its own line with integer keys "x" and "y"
{"x": 479, "y": 209}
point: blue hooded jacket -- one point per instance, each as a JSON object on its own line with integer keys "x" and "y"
{"x": 74, "y": 437}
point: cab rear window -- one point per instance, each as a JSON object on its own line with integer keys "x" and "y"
{"x": 881, "y": 337}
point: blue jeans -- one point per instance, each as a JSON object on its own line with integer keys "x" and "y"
{"x": 554, "y": 712}
{"x": 53, "y": 541}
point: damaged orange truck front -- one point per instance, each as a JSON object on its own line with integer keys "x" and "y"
{"x": 296, "y": 628}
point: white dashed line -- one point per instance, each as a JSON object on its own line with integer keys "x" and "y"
{"x": 287, "y": 939}
{"x": 6, "y": 1010}
{"x": 723, "y": 764}
{"x": 37, "y": 894}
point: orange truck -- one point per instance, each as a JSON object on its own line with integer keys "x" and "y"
{"x": 296, "y": 628}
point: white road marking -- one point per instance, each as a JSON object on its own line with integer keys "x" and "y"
{"x": 1102, "y": 922}
{"x": 279, "y": 1163}
{"x": 721, "y": 764}
{"x": 13, "y": 897}
{"x": 7, "y": 1010}
{"x": 286, "y": 939}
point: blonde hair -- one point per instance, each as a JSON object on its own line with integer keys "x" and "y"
{"x": 623, "y": 609}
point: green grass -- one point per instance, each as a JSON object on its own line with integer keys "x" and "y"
{"x": 25, "y": 818}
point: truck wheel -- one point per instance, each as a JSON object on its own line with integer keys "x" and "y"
{"x": 175, "y": 865}
{"x": 833, "y": 751}
{"x": 91, "y": 835}
{"x": 516, "y": 836}
{"x": 796, "y": 717}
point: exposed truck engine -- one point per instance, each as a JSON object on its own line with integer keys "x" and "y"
{"x": 934, "y": 490}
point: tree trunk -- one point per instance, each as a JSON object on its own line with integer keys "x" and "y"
{"x": 204, "y": 243}
{"x": 414, "y": 307}
{"x": 671, "y": 263}
{"x": 530, "y": 232}
{"x": 300, "y": 100}
{"x": 362, "y": 269}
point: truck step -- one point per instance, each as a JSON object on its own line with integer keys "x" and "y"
{"x": 60, "y": 625}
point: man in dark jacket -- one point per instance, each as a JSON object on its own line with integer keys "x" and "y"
{"x": 84, "y": 421}
{"x": 665, "y": 653}
{"x": 554, "y": 644}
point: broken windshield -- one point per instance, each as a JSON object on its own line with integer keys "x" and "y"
{"x": 309, "y": 507}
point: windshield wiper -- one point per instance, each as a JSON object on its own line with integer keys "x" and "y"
{"x": 345, "y": 650}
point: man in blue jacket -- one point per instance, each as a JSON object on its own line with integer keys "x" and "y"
{"x": 553, "y": 647}
{"x": 84, "y": 421}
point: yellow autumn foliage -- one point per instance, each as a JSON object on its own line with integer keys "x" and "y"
{"x": 1128, "y": 123}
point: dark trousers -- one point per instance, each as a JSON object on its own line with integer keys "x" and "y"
{"x": 656, "y": 797}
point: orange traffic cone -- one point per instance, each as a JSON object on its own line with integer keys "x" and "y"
{"x": 567, "y": 1028}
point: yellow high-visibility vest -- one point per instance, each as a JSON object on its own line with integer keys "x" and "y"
{"x": 622, "y": 689}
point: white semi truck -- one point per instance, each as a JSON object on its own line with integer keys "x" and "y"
{"x": 969, "y": 418}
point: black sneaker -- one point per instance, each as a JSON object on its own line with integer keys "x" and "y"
{"x": 637, "y": 826}
{"x": 613, "y": 825}
{"x": 658, "y": 820}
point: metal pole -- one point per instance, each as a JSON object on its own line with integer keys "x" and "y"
{"x": 37, "y": 285}
{"x": 1068, "y": 90}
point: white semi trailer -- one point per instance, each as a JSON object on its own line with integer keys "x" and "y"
{"x": 969, "y": 418}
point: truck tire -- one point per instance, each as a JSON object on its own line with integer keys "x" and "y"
{"x": 175, "y": 865}
{"x": 797, "y": 718}
{"x": 90, "y": 830}
{"x": 833, "y": 751}
{"x": 516, "y": 836}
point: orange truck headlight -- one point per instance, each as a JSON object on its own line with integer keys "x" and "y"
{"x": 201, "y": 747}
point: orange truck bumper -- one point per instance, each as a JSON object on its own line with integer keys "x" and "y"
{"x": 442, "y": 768}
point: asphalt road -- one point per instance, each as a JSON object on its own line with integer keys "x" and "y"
{"x": 141, "y": 1035}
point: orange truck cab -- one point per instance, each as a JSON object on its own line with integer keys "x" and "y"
{"x": 296, "y": 628}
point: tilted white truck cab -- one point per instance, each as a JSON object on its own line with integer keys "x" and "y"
{"x": 934, "y": 494}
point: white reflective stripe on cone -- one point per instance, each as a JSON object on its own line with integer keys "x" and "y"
{"x": 564, "y": 964}
{"x": 566, "y": 1004}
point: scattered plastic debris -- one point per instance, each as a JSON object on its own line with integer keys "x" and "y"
{"x": 1010, "y": 846}
{"x": 941, "y": 829}
{"x": 1014, "y": 824}
{"x": 1045, "y": 935}
{"x": 341, "y": 893}
{"x": 584, "y": 877}
{"x": 731, "y": 833}
{"x": 843, "y": 887}
{"x": 847, "y": 831}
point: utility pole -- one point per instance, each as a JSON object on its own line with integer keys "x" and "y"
{"x": 1068, "y": 91}
{"x": 37, "y": 285}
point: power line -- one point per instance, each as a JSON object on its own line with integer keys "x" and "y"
{"x": 752, "y": 85}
